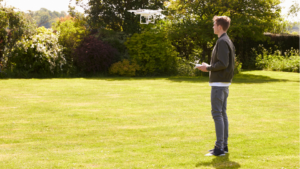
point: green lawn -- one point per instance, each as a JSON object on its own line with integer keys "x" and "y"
{"x": 147, "y": 122}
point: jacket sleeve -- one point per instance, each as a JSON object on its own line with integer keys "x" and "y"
{"x": 222, "y": 57}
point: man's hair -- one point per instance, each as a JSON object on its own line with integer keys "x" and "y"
{"x": 224, "y": 21}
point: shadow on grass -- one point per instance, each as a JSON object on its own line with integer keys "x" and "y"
{"x": 239, "y": 78}
{"x": 249, "y": 78}
{"x": 220, "y": 163}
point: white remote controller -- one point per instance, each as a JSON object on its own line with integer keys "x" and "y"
{"x": 197, "y": 65}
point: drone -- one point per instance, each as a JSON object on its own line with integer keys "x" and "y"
{"x": 148, "y": 14}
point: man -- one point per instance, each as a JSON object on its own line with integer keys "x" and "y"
{"x": 220, "y": 77}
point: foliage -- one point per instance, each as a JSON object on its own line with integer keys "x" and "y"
{"x": 37, "y": 54}
{"x": 13, "y": 26}
{"x": 294, "y": 28}
{"x": 191, "y": 22}
{"x": 72, "y": 31}
{"x": 280, "y": 27}
{"x": 185, "y": 68}
{"x": 289, "y": 62}
{"x": 94, "y": 56}
{"x": 124, "y": 68}
{"x": 63, "y": 19}
{"x": 248, "y": 51}
{"x": 115, "y": 39}
{"x": 113, "y": 15}
{"x": 45, "y": 17}
{"x": 237, "y": 66}
{"x": 294, "y": 9}
{"x": 153, "y": 51}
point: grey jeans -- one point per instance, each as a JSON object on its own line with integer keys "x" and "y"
{"x": 219, "y": 97}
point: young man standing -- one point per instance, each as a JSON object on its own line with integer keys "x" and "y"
{"x": 220, "y": 77}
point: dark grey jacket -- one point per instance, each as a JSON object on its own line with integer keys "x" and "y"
{"x": 222, "y": 60}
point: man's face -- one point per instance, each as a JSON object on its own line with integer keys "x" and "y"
{"x": 216, "y": 28}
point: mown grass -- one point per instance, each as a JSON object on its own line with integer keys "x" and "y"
{"x": 147, "y": 122}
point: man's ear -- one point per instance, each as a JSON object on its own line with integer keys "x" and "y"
{"x": 220, "y": 28}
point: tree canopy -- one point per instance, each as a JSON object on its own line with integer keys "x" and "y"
{"x": 294, "y": 9}
{"x": 192, "y": 21}
{"x": 45, "y": 17}
{"x": 112, "y": 14}
{"x": 13, "y": 26}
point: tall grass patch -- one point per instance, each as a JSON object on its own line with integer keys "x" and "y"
{"x": 289, "y": 61}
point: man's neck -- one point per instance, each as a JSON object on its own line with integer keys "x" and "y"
{"x": 221, "y": 33}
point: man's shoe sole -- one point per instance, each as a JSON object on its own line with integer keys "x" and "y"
{"x": 213, "y": 151}
{"x": 210, "y": 154}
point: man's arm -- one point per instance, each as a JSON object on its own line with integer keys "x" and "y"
{"x": 222, "y": 56}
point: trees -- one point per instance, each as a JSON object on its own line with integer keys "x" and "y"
{"x": 188, "y": 27}
{"x": 192, "y": 22}
{"x": 23, "y": 48}
{"x": 112, "y": 14}
{"x": 294, "y": 9}
{"x": 45, "y": 17}
{"x": 13, "y": 26}
{"x": 72, "y": 31}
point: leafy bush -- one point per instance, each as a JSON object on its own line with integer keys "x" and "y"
{"x": 114, "y": 39}
{"x": 185, "y": 68}
{"x": 237, "y": 66}
{"x": 71, "y": 32}
{"x": 153, "y": 52}
{"x": 124, "y": 68}
{"x": 39, "y": 54}
{"x": 94, "y": 56}
{"x": 13, "y": 26}
{"x": 289, "y": 62}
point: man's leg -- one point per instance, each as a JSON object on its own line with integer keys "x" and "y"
{"x": 218, "y": 95}
{"x": 225, "y": 119}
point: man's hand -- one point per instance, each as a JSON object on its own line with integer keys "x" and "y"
{"x": 203, "y": 63}
{"x": 203, "y": 67}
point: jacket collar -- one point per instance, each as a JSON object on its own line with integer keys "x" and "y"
{"x": 224, "y": 34}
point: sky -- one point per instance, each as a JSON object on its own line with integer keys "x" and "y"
{"x": 34, "y": 5}
{"x": 62, "y": 5}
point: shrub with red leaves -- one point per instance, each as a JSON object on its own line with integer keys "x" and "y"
{"x": 94, "y": 56}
